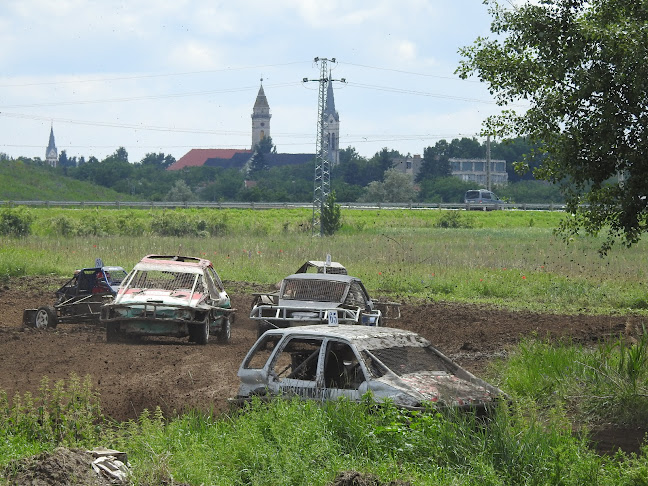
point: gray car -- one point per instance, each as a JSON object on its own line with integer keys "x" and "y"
{"x": 483, "y": 200}
{"x": 318, "y": 298}
{"x": 329, "y": 362}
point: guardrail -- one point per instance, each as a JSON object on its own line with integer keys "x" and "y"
{"x": 276, "y": 205}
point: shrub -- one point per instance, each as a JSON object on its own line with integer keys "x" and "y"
{"x": 15, "y": 221}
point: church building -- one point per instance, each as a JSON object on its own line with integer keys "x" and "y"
{"x": 240, "y": 158}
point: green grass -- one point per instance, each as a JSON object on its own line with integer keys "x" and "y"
{"x": 501, "y": 260}
{"x": 290, "y": 442}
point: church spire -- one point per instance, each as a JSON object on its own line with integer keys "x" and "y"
{"x": 329, "y": 109}
{"x": 260, "y": 117}
{"x": 332, "y": 129}
{"x": 51, "y": 153}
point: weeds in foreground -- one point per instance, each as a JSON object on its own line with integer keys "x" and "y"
{"x": 304, "y": 442}
{"x": 603, "y": 384}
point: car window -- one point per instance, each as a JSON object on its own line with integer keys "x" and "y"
{"x": 217, "y": 281}
{"x": 313, "y": 290}
{"x": 342, "y": 367}
{"x": 297, "y": 360}
{"x": 486, "y": 195}
{"x": 262, "y": 352}
{"x": 472, "y": 195}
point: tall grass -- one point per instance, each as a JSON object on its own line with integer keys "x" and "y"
{"x": 605, "y": 384}
{"x": 401, "y": 255}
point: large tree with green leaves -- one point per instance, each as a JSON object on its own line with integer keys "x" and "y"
{"x": 580, "y": 65}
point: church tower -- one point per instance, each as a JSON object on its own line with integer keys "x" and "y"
{"x": 332, "y": 127}
{"x": 260, "y": 118}
{"x": 51, "y": 154}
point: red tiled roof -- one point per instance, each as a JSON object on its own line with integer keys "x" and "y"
{"x": 198, "y": 157}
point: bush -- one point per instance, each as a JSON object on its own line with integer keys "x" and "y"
{"x": 15, "y": 221}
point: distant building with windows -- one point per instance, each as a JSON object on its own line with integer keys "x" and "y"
{"x": 51, "y": 153}
{"x": 475, "y": 170}
{"x": 469, "y": 170}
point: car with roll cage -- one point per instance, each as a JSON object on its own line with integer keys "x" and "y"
{"x": 328, "y": 362}
{"x": 170, "y": 295}
{"x": 317, "y": 298}
{"x": 80, "y": 299}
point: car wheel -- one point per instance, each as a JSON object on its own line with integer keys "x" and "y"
{"x": 225, "y": 332}
{"x": 261, "y": 328}
{"x": 45, "y": 317}
{"x": 112, "y": 333}
{"x": 202, "y": 333}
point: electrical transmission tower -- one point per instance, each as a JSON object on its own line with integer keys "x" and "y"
{"x": 322, "y": 184}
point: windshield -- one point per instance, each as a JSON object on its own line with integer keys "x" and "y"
{"x": 313, "y": 290}
{"x": 404, "y": 360}
{"x": 163, "y": 280}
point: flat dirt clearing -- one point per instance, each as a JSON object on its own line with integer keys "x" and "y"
{"x": 177, "y": 375}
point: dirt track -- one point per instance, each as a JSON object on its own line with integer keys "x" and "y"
{"x": 177, "y": 375}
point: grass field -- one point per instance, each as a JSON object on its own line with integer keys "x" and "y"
{"x": 505, "y": 258}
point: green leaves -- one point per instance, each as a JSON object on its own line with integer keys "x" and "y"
{"x": 581, "y": 67}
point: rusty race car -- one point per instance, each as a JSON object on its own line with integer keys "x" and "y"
{"x": 319, "y": 298}
{"x": 175, "y": 296}
{"x": 80, "y": 299}
{"x": 329, "y": 362}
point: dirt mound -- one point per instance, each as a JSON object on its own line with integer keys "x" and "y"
{"x": 354, "y": 478}
{"x": 62, "y": 467}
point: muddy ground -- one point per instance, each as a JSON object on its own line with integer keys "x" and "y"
{"x": 177, "y": 375}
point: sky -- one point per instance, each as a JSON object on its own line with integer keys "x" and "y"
{"x": 171, "y": 75}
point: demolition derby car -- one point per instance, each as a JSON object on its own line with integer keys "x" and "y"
{"x": 175, "y": 296}
{"x": 320, "y": 298}
{"x": 80, "y": 299}
{"x": 329, "y": 362}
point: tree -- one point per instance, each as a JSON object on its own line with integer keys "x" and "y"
{"x": 258, "y": 162}
{"x": 158, "y": 160}
{"x": 580, "y": 66}
{"x": 331, "y": 216}
{"x": 180, "y": 192}
{"x": 435, "y": 162}
{"x": 396, "y": 187}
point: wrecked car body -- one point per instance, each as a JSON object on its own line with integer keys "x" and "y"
{"x": 80, "y": 299}
{"x": 329, "y": 362}
{"x": 174, "y": 296}
{"x": 320, "y": 298}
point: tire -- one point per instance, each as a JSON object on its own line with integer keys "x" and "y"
{"x": 225, "y": 333}
{"x": 112, "y": 333}
{"x": 201, "y": 335}
{"x": 45, "y": 317}
{"x": 261, "y": 328}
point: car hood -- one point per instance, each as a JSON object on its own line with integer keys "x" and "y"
{"x": 442, "y": 388}
{"x": 165, "y": 297}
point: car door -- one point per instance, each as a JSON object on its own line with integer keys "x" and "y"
{"x": 294, "y": 368}
{"x": 344, "y": 374}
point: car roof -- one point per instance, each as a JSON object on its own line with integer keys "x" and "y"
{"x": 173, "y": 263}
{"x": 322, "y": 276}
{"x": 362, "y": 336}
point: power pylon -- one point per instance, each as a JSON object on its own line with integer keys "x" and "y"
{"x": 322, "y": 182}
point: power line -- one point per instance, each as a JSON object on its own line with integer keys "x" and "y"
{"x": 148, "y": 76}
{"x": 143, "y": 98}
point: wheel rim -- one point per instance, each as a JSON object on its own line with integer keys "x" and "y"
{"x": 42, "y": 319}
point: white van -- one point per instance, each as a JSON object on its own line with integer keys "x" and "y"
{"x": 482, "y": 199}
